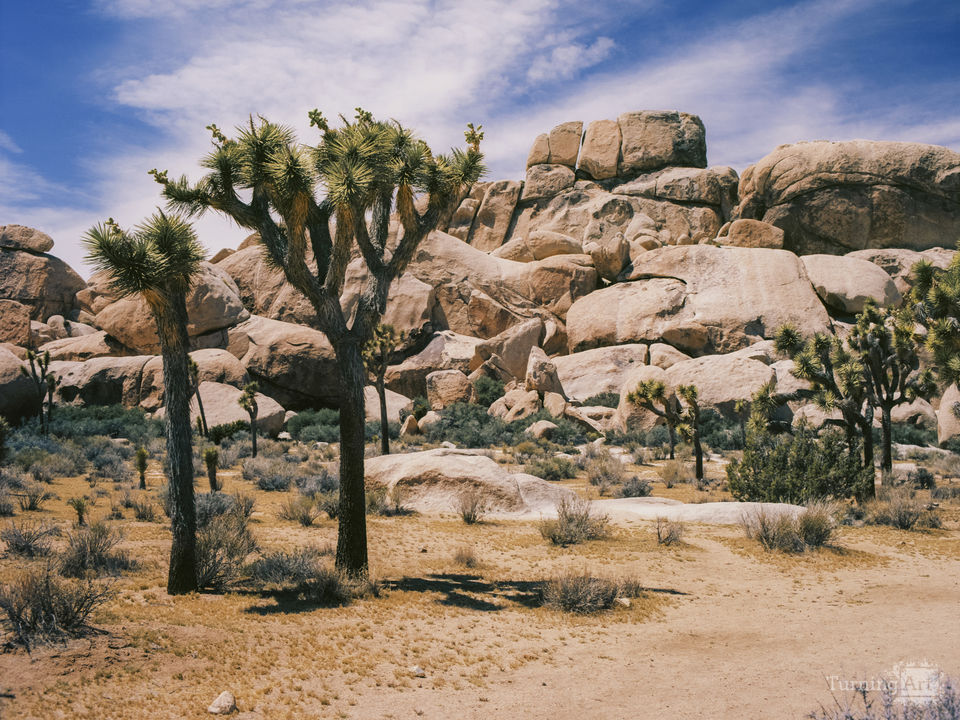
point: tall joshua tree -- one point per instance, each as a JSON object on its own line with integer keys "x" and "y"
{"x": 159, "y": 260}
{"x": 376, "y": 356}
{"x": 652, "y": 395}
{"x": 368, "y": 169}
{"x": 248, "y": 401}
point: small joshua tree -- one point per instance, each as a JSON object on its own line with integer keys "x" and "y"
{"x": 211, "y": 458}
{"x": 79, "y": 504}
{"x": 652, "y": 395}
{"x": 195, "y": 379}
{"x": 52, "y": 383}
{"x": 689, "y": 429}
{"x": 37, "y": 372}
{"x": 248, "y": 401}
{"x": 141, "y": 458}
{"x": 376, "y": 356}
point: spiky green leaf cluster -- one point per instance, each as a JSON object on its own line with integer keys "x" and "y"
{"x": 935, "y": 303}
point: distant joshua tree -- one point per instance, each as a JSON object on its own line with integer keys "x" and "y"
{"x": 195, "y": 379}
{"x": 39, "y": 363}
{"x": 652, "y": 395}
{"x": 248, "y": 401}
{"x": 159, "y": 260}
{"x": 267, "y": 182}
{"x": 376, "y": 356}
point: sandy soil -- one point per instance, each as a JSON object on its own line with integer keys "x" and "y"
{"x": 724, "y": 630}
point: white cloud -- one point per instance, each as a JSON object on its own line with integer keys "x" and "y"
{"x": 7, "y": 143}
{"x": 564, "y": 61}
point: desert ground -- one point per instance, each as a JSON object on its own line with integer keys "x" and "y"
{"x": 722, "y": 629}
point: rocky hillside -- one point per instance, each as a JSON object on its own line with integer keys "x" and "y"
{"x": 622, "y": 255}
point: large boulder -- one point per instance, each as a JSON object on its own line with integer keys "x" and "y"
{"x": 898, "y": 262}
{"x": 221, "y": 406}
{"x": 434, "y": 480}
{"x": 845, "y": 284}
{"x": 541, "y": 375}
{"x": 18, "y": 395}
{"x": 721, "y": 380}
{"x": 213, "y": 366}
{"x": 511, "y": 347}
{"x": 293, "y": 364}
{"x": 538, "y": 245}
{"x": 600, "y": 370}
{"x": 84, "y": 347}
{"x": 18, "y": 237}
{"x": 948, "y": 424}
{"x": 601, "y": 150}
{"x": 700, "y": 299}
{"x": 494, "y": 215}
{"x": 447, "y": 387}
{"x": 833, "y": 197}
{"x": 446, "y": 351}
{"x": 43, "y": 283}
{"x": 395, "y": 403}
{"x": 654, "y": 139}
{"x": 753, "y": 234}
{"x": 213, "y": 303}
{"x": 630, "y": 416}
{"x": 481, "y": 295}
{"x": 101, "y": 380}
{"x": 14, "y": 322}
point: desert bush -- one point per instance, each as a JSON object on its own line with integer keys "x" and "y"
{"x": 635, "y": 487}
{"x": 579, "y": 593}
{"x": 11, "y": 478}
{"x": 719, "y": 433}
{"x": 6, "y": 504}
{"x": 922, "y": 479}
{"x": 80, "y": 506}
{"x": 243, "y": 503}
{"x": 311, "y": 426}
{"x": 811, "y": 528}
{"x": 469, "y": 425}
{"x": 669, "y": 532}
{"x": 285, "y": 569}
{"x": 604, "y": 470}
{"x": 115, "y": 421}
{"x": 488, "y": 390}
{"x": 524, "y": 450}
{"x": 465, "y": 556}
{"x": 212, "y": 504}
{"x": 552, "y": 468}
{"x": 92, "y": 550}
{"x": 39, "y": 606}
{"x": 218, "y": 433}
{"x": 301, "y": 509}
{"x": 329, "y": 503}
{"x": 471, "y": 506}
{"x": 268, "y": 474}
{"x": 223, "y": 545}
{"x": 29, "y": 540}
{"x": 320, "y": 482}
{"x": 945, "y": 492}
{"x": 144, "y": 510}
{"x": 907, "y": 434}
{"x": 883, "y": 703}
{"x": 110, "y": 460}
{"x": 604, "y": 399}
{"x": 420, "y": 407}
{"x": 900, "y": 508}
{"x": 675, "y": 471}
{"x": 816, "y": 523}
{"x": 32, "y": 497}
{"x": 4, "y": 434}
{"x": 797, "y": 468}
{"x": 575, "y": 522}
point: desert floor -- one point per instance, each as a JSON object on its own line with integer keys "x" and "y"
{"x": 724, "y": 630}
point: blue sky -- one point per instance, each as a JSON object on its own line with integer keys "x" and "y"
{"x": 93, "y": 93}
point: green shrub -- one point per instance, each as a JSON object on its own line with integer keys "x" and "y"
{"x": 673, "y": 472}
{"x": 319, "y": 483}
{"x": 796, "y": 468}
{"x": 488, "y": 390}
{"x": 922, "y": 479}
{"x": 282, "y": 569}
{"x": 32, "y": 497}
{"x": 329, "y": 503}
{"x": 144, "y": 510}
{"x": 269, "y": 474}
{"x": 552, "y": 468}
{"x": 815, "y": 523}
{"x": 718, "y": 432}
{"x": 311, "y": 426}
{"x": 218, "y": 433}
{"x": 469, "y": 425}
{"x": 604, "y": 399}
{"x": 420, "y": 407}
{"x": 575, "y": 522}
{"x": 91, "y": 550}
{"x": 29, "y": 540}
{"x": 38, "y": 605}
{"x": 212, "y": 504}
{"x": 115, "y": 421}
{"x": 603, "y": 469}
{"x": 907, "y": 434}
{"x": 945, "y": 492}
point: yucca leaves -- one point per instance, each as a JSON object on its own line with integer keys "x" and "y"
{"x": 935, "y": 302}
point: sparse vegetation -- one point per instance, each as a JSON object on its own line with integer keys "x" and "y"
{"x": 669, "y": 532}
{"x": 92, "y": 550}
{"x": 584, "y": 594}
{"x": 635, "y": 487}
{"x": 900, "y": 508}
{"x": 28, "y": 539}
{"x": 604, "y": 470}
{"x": 552, "y": 468}
{"x": 223, "y": 545}
{"x": 811, "y": 528}
{"x": 673, "y": 472}
{"x": 471, "y": 506}
{"x": 466, "y": 556}
{"x": 576, "y": 522}
{"x": 300, "y": 509}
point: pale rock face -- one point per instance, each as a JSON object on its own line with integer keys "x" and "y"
{"x": 409, "y": 428}
{"x": 494, "y": 215}
{"x": 213, "y": 303}
{"x": 215, "y": 366}
{"x": 526, "y": 405}
{"x": 538, "y": 245}
{"x": 18, "y": 397}
{"x": 14, "y": 322}
{"x": 701, "y": 300}
{"x": 101, "y": 380}
{"x": 19, "y": 237}
{"x": 601, "y": 149}
{"x": 293, "y": 364}
{"x": 539, "y": 151}
{"x": 544, "y": 181}
{"x": 395, "y": 403}
{"x": 601, "y": 370}
{"x": 656, "y": 139}
{"x": 787, "y": 382}
{"x": 564, "y": 141}
{"x": 512, "y": 347}
{"x": 610, "y": 256}
{"x": 845, "y": 284}
{"x": 721, "y": 380}
{"x": 753, "y": 234}
{"x": 446, "y": 351}
{"x": 898, "y": 262}
{"x": 96, "y": 344}
{"x": 541, "y": 374}
{"x": 541, "y": 429}
{"x": 663, "y": 356}
{"x": 833, "y": 197}
{"x": 919, "y": 412}
{"x": 221, "y": 406}
{"x": 446, "y": 387}
{"x": 948, "y": 425}
{"x": 43, "y": 283}
{"x": 630, "y": 416}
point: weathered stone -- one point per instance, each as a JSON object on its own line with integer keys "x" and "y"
{"x": 539, "y": 151}
{"x": 898, "y": 262}
{"x": 18, "y": 395}
{"x": 541, "y": 373}
{"x": 919, "y": 412}
{"x": 833, "y": 197}
{"x": 395, "y": 403}
{"x": 97, "y": 344}
{"x": 554, "y": 403}
{"x": 512, "y": 347}
{"x": 845, "y": 284}
{"x": 948, "y": 424}
{"x": 446, "y": 387}
{"x": 538, "y": 245}
{"x": 528, "y": 404}
{"x": 224, "y": 704}
{"x": 564, "y": 143}
{"x": 541, "y": 429}
{"x": 409, "y": 428}
{"x": 14, "y": 322}
{"x": 753, "y": 234}
{"x": 663, "y": 356}
{"x": 43, "y": 283}
{"x": 630, "y": 416}
{"x": 101, "y": 380}
{"x": 221, "y": 406}
{"x": 19, "y": 237}
{"x": 544, "y": 181}
{"x": 446, "y": 351}
{"x": 610, "y": 255}
{"x": 654, "y": 139}
{"x": 462, "y": 220}
{"x": 494, "y": 216}
{"x": 721, "y": 380}
{"x": 601, "y": 370}
{"x": 601, "y": 149}
{"x": 215, "y": 366}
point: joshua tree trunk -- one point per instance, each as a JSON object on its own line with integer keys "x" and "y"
{"x": 172, "y": 330}
{"x": 253, "y": 433}
{"x": 204, "y": 430}
{"x": 352, "y": 535}
{"x": 673, "y": 438}
{"x": 866, "y": 429}
{"x": 698, "y": 452}
{"x": 886, "y": 463}
{"x": 384, "y": 425}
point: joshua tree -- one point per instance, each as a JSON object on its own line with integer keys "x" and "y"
{"x": 884, "y": 341}
{"x": 195, "y": 380}
{"x": 690, "y": 427}
{"x": 52, "y": 383}
{"x": 652, "y": 395}
{"x": 376, "y": 356}
{"x": 159, "y": 260}
{"x": 141, "y": 459}
{"x": 37, "y": 372}
{"x": 248, "y": 401}
{"x": 79, "y": 504}
{"x": 935, "y": 303}
{"x": 368, "y": 169}
{"x": 211, "y": 458}
{"x": 840, "y": 381}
